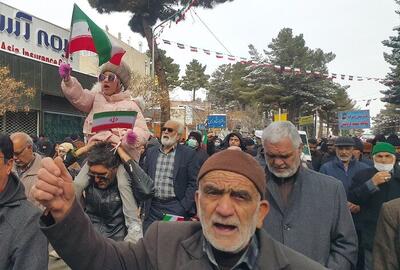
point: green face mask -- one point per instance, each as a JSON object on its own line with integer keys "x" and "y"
{"x": 192, "y": 143}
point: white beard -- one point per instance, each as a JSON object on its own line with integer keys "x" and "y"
{"x": 168, "y": 141}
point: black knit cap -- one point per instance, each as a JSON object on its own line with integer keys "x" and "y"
{"x": 238, "y": 162}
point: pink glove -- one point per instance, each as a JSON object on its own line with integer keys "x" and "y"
{"x": 65, "y": 71}
{"x": 130, "y": 137}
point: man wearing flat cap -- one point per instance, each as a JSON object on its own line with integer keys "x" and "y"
{"x": 343, "y": 167}
{"x": 231, "y": 207}
{"x": 371, "y": 188}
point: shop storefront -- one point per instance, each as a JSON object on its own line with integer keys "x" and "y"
{"x": 32, "y": 49}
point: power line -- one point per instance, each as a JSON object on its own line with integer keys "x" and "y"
{"x": 212, "y": 33}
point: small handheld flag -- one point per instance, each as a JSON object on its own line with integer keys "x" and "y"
{"x": 113, "y": 119}
{"x": 169, "y": 217}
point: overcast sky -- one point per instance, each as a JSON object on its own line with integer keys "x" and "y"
{"x": 352, "y": 29}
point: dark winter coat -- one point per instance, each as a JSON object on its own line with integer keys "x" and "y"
{"x": 370, "y": 199}
{"x": 201, "y": 156}
{"x": 316, "y": 222}
{"x": 335, "y": 168}
{"x": 22, "y": 244}
{"x": 185, "y": 173}
{"x": 166, "y": 246}
{"x": 316, "y": 160}
{"x": 104, "y": 208}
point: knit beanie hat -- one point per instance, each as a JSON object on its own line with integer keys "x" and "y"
{"x": 238, "y": 162}
{"x": 383, "y": 147}
{"x": 122, "y": 71}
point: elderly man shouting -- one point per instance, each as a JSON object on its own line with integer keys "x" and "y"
{"x": 231, "y": 207}
{"x": 308, "y": 210}
{"x": 371, "y": 188}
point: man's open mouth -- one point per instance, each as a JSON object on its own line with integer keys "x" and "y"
{"x": 225, "y": 227}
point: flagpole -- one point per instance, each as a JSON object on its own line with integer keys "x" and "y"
{"x": 70, "y": 35}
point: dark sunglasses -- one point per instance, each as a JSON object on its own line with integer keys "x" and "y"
{"x": 168, "y": 129}
{"x": 99, "y": 176}
{"x": 110, "y": 77}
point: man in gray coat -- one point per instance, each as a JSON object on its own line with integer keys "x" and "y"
{"x": 22, "y": 244}
{"x": 309, "y": 210}
{"x": 231, "y": 206}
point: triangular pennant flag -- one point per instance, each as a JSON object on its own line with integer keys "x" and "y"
{"x": 231, "y": 58}
{"x": 287, "y": 69}
{"x": 219, "y": 55}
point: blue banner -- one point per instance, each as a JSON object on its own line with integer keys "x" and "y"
{"x": 216, "y": 121}
{"x": 354, "y": 119}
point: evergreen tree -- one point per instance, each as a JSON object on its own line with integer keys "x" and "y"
{"x": 194, "y": 77}
{"x": 267, "y": 86}
{"x": 392, "y": 95}
{"x": 388, "y": 120}
{"x": 171, "y": 69}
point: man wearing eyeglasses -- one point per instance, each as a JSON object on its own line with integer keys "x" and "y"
{"x": 102, "y": 199}
{"x": 22, "y": 244}
{"x": 174, "y": 168}
{"x": 26, "y": 163}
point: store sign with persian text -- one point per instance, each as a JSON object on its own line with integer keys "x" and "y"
{"x": 25, "y": 35}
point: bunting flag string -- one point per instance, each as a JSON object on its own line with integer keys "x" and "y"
{"x": 296, "y": 71}
{"x": 180, "y": 15}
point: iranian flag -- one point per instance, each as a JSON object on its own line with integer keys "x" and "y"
{"x": 87, "y": 36}
{"x": 113, "y": 119}
{"x": 169, "y": 217}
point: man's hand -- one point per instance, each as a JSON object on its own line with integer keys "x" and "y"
{"x": 354, "y": 208}
{"x": 54, "y": 188}
{"x": 380, "y": 178}
{"x": 85, "y": 149}
{"x": 123, "y": 154}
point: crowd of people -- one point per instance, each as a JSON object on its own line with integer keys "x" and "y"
{"x": 240, "y": 202}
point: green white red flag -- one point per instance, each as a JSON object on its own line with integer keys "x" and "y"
{"x": 169, "y": 217}
{"x": 113, "y": 119}
{"x": 87, "y": 36}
